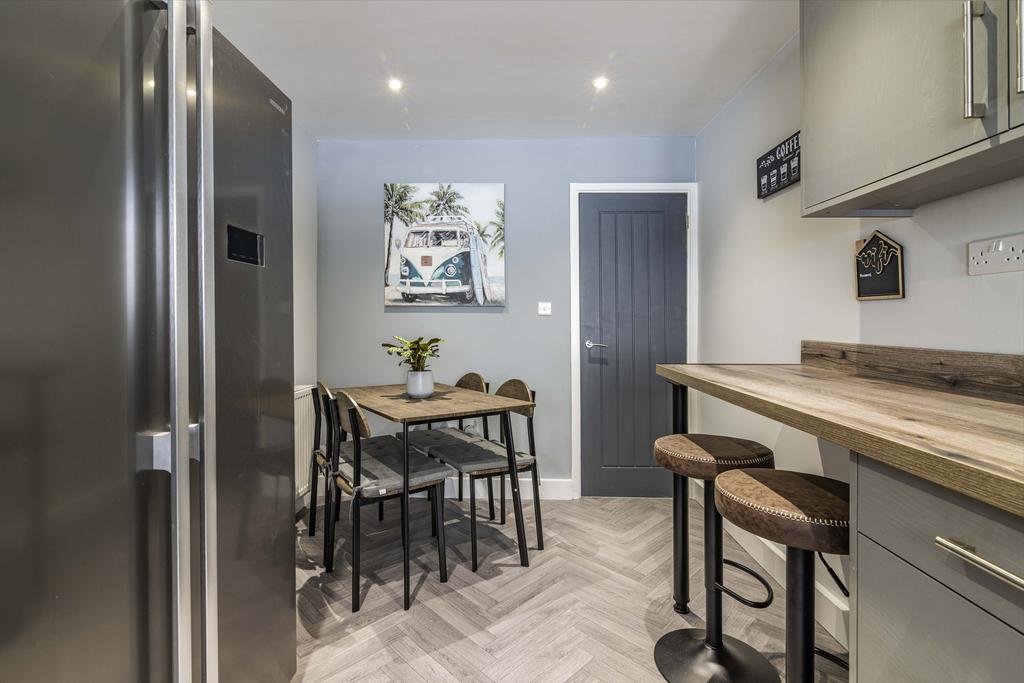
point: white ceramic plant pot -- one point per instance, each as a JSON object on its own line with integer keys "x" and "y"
{"x": 420, "y": 384}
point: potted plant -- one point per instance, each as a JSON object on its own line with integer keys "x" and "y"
{"x": 420, "y": 381}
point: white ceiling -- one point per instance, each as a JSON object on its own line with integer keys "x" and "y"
{"x": 507, "y": 69}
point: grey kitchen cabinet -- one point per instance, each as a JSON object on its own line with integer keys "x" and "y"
{"x": 912, "y": 628}
{"x": 885, "y": 121}
{"x": 1017, "y": 63}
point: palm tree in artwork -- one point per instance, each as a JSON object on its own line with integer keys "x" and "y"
{"x": 481, "y": 230}
{"x": 498, "y": 236}
{"x": 399, "y": 204}
{"x": 444, "y": 201}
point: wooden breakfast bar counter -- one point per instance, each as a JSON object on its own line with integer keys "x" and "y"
{"x": 936, "y": 443}
{"x": 971, "y": 445}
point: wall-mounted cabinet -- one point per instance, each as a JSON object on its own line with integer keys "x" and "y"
{"x": 907, "y": 102}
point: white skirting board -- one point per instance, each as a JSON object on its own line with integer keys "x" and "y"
{"x": 831, "y": 608}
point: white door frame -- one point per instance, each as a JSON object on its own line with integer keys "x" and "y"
{"x": 575, "y": 190}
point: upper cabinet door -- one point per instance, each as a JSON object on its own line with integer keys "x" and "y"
{"x": 1016, "y": 63}
{"x": 885, "y": 86}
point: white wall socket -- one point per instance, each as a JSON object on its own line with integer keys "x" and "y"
{"x": 996, "y": 255}
{"x": 543, "y": 308}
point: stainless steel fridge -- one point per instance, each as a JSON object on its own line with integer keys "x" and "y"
{"x": 146, "y": 369}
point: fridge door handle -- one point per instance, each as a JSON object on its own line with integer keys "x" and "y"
{"x": 177, "y": 292}
{"x": 206, "y": 251}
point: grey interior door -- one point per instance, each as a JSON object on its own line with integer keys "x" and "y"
{"x": 632, "y": 316}
{"x": 255, "y": 410}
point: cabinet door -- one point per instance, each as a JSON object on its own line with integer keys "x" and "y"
{"x": 884, "y": 87}
{"x": 913, "y": 629}
{"x": 1016, "y": 63}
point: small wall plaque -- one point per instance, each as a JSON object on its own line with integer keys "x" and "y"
{"x": 780, "y": 167}
{"x": 879, "y": 268}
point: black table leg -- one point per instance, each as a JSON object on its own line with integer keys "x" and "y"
{"x": 442, "y": 557}
{"x": 513, "y": 476}
{"x": 405, "y": 512}
{"x": 681, "y": 513}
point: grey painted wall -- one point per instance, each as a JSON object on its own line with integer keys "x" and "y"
{"x": 768, "y": 279}
{"x": 945, "y": 307}
{"x": 304, "y": 227}
{"x": 499, "y": 343}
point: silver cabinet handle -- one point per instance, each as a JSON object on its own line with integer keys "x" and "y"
{"x": 966, "y": 553}
{"x": 591, "y": 345}
{"x": 972, "y": 109}
{"x": 1020, "y": 46}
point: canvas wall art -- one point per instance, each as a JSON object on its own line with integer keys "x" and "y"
{"x": 444, "y": 244}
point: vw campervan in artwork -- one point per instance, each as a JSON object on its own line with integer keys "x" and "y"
{"x": 444, "y": 244}
{"x": 443, "y": 255}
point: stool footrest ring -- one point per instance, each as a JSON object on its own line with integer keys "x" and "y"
{"x": 756, "y": 604}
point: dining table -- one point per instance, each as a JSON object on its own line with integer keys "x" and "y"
{"x": 391, "y": 402}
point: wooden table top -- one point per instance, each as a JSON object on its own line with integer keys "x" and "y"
{"x": 967, "y": 444}
{"x": 447, "y": 403}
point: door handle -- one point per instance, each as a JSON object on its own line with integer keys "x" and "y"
{"x": 972, "y": 109}
{"x": 967, "y": 554}
{"x": 591, "y": 345}
{"x": 1020, "y": 46}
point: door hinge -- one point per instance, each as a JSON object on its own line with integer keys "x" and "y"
{"x": 686, "y": 221}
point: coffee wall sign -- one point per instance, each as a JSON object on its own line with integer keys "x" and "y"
{"x": 780, "y": 167}
{"x": 879, "y": 268}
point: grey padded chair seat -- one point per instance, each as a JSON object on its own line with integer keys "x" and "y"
{"x": 478, "y": 457}
{"x": 382, "y": 471}
{"x": 374, "y": 444}
{"x": 424, "y": 439}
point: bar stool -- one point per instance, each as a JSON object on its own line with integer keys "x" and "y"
{"x": 701, "y": 655}
{"x": 806, "y": 513}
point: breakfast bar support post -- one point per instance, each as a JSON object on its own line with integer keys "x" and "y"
{"x": 513, "y": 477}
{"x": 680, "y": 513}
{"x": 405, "y": 512}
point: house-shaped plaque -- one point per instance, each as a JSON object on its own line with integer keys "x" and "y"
{"x": 879, "y": 268}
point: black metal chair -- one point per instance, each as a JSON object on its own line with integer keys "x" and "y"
{"x": 318, "y": 462}
{"x": 373, "y": 475}
{"x": 486, "y": 459}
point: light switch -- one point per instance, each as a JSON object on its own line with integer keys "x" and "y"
{"x": 543, "y": 308}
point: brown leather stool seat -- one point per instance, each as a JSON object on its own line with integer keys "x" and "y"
{"x": 795, "y": 509}
{"x": 805, "y": 512}
{"x": 705, "y": 456}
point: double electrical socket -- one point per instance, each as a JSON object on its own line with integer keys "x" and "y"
{"x": 996, "y": 255}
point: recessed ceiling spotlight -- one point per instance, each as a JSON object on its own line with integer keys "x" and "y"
{"x": 600, "y": 83}
{"x": 395, "y": 84}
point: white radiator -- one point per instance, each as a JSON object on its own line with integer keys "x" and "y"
{"x": 303, "y": 441}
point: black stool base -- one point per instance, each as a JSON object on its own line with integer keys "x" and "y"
{"x": 680, "y": 608}
{"x": 683, "y": 657}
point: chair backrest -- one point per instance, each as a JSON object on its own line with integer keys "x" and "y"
{"x": 517, "y": 389}
{"x": 322, "y": 394}
{"x": 473, "y": 381}
{"x": 345, "y": 405}
{"x": 314, "y": 393}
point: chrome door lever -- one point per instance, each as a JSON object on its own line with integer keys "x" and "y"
{"x": 591, "y": 345}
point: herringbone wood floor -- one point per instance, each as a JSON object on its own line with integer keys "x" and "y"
{"x": 588, "y": 608}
